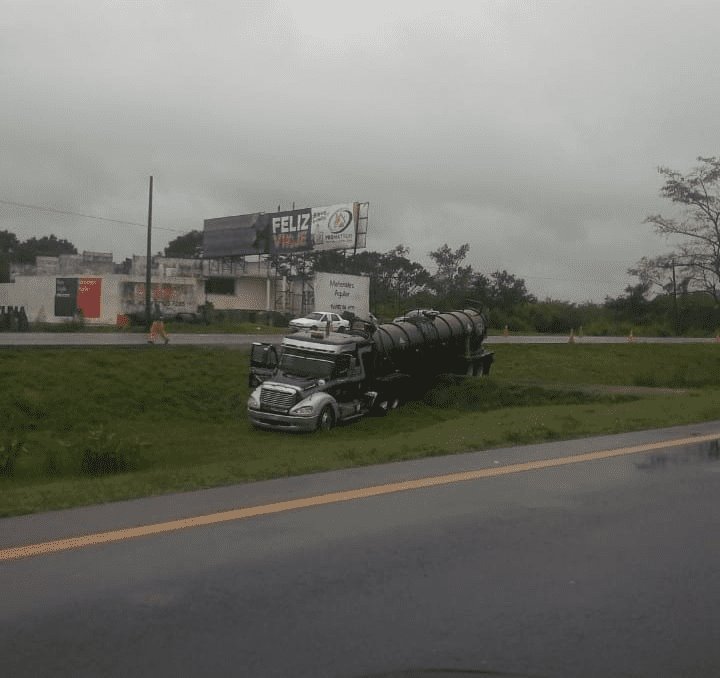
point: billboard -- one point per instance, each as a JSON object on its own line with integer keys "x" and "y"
{"x": 339, "y": 293}
{"x": 290, "y": 230}
{"x": 88, "y": 296}
{"x": 235, "y": 236}
{"x": 78, "y": 294}
{"x": 66, "y": 297}
{"x": 334, "y": 227}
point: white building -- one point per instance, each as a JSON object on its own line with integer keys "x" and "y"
{"x": 56, "y": 289}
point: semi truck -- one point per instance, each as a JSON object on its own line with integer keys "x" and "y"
{"x": 317, "y": 379}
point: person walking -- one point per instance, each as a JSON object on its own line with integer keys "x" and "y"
{"x": 157, "y": 329}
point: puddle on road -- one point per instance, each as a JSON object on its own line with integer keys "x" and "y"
{"x": 690, "y": 454}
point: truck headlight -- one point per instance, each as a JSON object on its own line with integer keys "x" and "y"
{"x": 253, "y": 402}
{"x": 304, "y": 410}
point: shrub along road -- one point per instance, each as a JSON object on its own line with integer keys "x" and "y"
{"x": 85, "y": 425}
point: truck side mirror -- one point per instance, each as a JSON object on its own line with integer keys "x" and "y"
{"x": 263, "y": 356}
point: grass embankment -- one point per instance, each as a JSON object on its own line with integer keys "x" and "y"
{"x": 83, "y": 425}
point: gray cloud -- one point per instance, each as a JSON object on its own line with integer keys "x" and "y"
{"x": 531, "y": 131}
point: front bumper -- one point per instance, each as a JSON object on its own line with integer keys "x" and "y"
{"x": 273, "y": 421}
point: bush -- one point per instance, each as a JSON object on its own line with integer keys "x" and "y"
{"x": 106, "y": 454}
{"x": 487, "y": 394}
{"x": 10, "y": 450}
{"x": 96, "y": 463}
{"x": 16, "y": 425}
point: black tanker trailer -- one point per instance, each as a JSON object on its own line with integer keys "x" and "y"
{"x": 317, "y": 379}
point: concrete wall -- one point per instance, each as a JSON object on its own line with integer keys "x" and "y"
{"x": 250, "y": 295}
{"x": 176, "y": 295}
{"x": 120, "y": 294}
{"x": 35, "y": 293}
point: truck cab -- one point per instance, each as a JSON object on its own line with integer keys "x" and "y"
{"x": 313, "y": 381}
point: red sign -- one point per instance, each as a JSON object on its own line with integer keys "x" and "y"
{"x": 88, "y": 296}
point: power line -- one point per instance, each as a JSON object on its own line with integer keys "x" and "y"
{"x": 86, "y": 216}
{"x": 589, "y": 278}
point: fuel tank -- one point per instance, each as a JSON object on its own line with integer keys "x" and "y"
{"x": 432, "y": 343}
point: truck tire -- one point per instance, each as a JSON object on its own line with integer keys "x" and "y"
{"x": 384, "y": 403}
{"x": 380, "y": 410}
{"x": 326, "y": 419}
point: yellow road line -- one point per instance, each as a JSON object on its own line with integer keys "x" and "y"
{"x": 18, "y": 552}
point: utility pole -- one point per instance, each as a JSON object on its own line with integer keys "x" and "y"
{"x": 148, "y": 261}
{"x": 675, "y": 306}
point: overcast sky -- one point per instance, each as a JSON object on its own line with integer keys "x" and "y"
{"x": 530, "y": 130}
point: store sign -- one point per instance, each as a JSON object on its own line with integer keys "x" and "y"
{"x": 88, "y": 296}
{"x": 65, "y": 297}
{"x": 340, "y": 293}
{"x": 73, "y": 295}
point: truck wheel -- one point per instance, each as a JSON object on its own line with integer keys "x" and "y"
{"x": 385, "y": 403}
{"x": 326, "y": 420}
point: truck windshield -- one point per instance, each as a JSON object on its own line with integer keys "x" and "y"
{"x": 306, "y": 364}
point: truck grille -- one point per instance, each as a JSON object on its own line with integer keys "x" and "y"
{"x": 277, "y": 401}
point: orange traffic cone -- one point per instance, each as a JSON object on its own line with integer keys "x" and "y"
{"x": 631, "y": 338}
{"x": 572, "y": 336}
{"x": 505, "y": 331}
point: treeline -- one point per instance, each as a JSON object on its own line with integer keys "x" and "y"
{"x": 398, "y": 284}
{"x": 13, "y": 250}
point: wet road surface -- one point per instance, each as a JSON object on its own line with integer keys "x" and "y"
{"x": 594, "y": 568}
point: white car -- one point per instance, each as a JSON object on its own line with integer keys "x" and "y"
{"x": 318, "y": 320}
{"x": 417, "y": 314}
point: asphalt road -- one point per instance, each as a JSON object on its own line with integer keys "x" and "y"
{"x": 135, "y": 339}
{"x": 605, "y": 567}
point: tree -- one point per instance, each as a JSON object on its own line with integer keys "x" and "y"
{"x": 507, "y": 291}
{"x": 448, "y": 264}
{"x": 697, "y": 255}
{"x": 47, "y": 246}
{"x": 452, "y": 280}
{"x": 633, "y": 306}
{"x": 481, "y": 289}
{"x": 400, "y": 275}
{"x": 8, "y": 248}
{"x": 8, "y": 243}
{"x": 187, "y": 246}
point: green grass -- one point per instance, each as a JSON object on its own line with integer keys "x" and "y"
{"x": 98, "y": 424}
